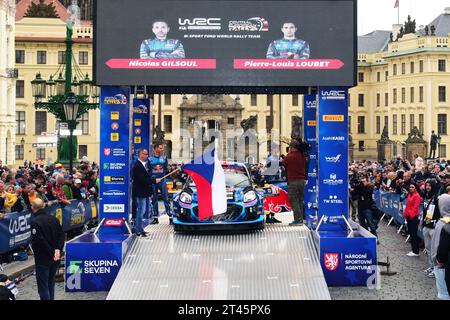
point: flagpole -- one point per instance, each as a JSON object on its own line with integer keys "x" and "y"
{"x": 167, "y": 175}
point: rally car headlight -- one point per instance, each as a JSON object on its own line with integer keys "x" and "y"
{"x": 186, "y": 198}
{"x": 250, "y": 196}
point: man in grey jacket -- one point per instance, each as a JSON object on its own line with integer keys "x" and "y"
{"x": 439, "y": 269}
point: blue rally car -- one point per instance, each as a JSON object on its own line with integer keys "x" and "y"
{"x": 245, "y": 205}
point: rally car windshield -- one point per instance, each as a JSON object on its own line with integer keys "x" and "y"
{"x": 233, "y": 178}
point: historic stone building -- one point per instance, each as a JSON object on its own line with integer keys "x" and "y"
{"x": 402, "y": 84}
{"x": 8, "y": 76}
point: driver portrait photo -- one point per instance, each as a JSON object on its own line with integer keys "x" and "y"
{"x": 160, "y": 47}
{"x": 289, "y": 47}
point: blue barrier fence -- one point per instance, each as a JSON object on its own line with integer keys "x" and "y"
{"x": 392, "y": 206}
{"x": 15, "y": 228}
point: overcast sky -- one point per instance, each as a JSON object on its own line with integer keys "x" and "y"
{"x": 381, "y": 14}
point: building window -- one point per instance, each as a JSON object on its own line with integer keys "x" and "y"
{"x": 394, "y": 71}
{"x": 403, "y": 95}
{"x": 411, "y": 94}
{"x": 361, "y": 100}
{"x": 168, "y": 124}
{"x": 441, "y": 65}
{"x": 420, "y": 94}
{"x": 20, "y": 56}
{"x": 378, "y": 76}
{"x": 231, "y": 121}
{"x": 394, "y": 124}
{"x": 386, "y": 122}
{"x": 61, "y": 57}
{"x": 403, "y": 68}
{"x": 350, "y": 124}
{"x": 20, "y": 122}
{"x": 386, "y": 75}
{"x": 412, "y": 66}
{"x": 191, "y": 120}
{"x": 421, "y": 123}
{"x": 83, "y": 58}
{"x": 253, "y": 99}
{"x": 411, "y": 121}
{"x": 42, "y": 57}
{"x": 361, "y": 146}
{"x": 83, "y": 123}
{"x": 421, "y": 66}
{"x": 443, "y": 151}
{"x": 394, "y": 96}
{"x": 442, "y": 94}
{"x": 378, "y": 124}
{"x": 40, "y": 154}
{"x": 378, "y": 99}
{"x": 153, "y": 122}
{"x": 82, "y": 151}
{"x": 20, "y": 152}
{"x": 295, "y": 99}
{"x": 360, "y": 76}
{"x": 40, "y": 122}
{"x": 361, "y": 124}
{"x": 268, "y": 123}
{"x": 270, "y": 100}
{"x": 167, "y": 99}
{"x": 20, "y": 88}
{"x": 386, "y": 99}
{"x": 442, "y": 124}
{"x": 403, "y": 124}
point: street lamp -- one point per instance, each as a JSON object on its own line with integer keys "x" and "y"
{"x": 66, "y": 97}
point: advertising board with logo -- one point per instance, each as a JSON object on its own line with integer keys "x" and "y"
{"x": 15, "y": 231}
{"x": 92, "y": 265}
{"x": 309, "y": 125}
{"x": 114, "y": 153}
{"x": 333, "y": 157}
{"x": 224, "y": 45}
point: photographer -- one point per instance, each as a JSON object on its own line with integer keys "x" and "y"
{"x": 366, "y": 214}
{"x": 296, "y": 168}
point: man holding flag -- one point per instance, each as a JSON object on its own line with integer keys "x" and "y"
{"x": 207, "y": 173}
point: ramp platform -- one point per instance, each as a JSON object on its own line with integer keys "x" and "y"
{"x": 278, "y": 263}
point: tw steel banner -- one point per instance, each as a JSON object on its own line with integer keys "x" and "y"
{"x": 333, "y": 157}
{"x": 114, "y": 153}
{"x": 309, "y": 127}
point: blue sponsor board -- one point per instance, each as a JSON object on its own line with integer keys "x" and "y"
{"x": 348, "y": 261}
{"x": 310, "y": 131}
{"x": 141, "y": 133}
{"x": 92, "y": 263}
{"x": 114, "y": 154}
{"x": 15, "y": 227}
{"x": 333, "y": 157}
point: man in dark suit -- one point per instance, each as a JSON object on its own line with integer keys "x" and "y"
{"x": 47, "y": 241}
{"x": 142, "y": 186}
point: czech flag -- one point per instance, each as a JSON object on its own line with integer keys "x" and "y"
{"x": 209, "y": 178}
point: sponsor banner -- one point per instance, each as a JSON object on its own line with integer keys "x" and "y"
{"x": 15, "y": 228}
{"x": 162, "y": 64}
{"x": 114, "y": 153}
{"x": 309, "y": 126}
{"x": 306, "y": 64}
{"x": 141, "y": 125}
{"x": 333, "y": 157}
{"x": 349, "y": 261}
{"x": 93, "y": 263}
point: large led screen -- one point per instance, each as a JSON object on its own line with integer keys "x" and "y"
{"x": 225, "y": 44}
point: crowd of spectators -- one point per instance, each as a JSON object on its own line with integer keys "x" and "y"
{"x": 51, "y": 183}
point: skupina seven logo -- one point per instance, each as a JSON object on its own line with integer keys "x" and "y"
{"x": 117, "y": 99}
{"x": 251, "y": 24}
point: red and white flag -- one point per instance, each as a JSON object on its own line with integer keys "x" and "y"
{"x": 397, "y": 3}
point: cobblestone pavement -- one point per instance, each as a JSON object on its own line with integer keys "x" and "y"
{"x": 409, "y": 283}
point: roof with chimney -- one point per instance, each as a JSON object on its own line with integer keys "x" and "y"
{"x": 373, "y": 42}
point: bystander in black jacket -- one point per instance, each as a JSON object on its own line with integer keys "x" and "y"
{"x": 46, "y": 237}
{"x": 142, "y": 181}
{"x": 443, "y": 253}
{"x": 364, "y": 196}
